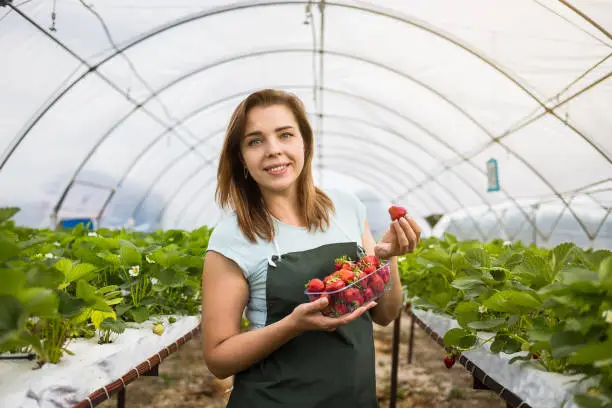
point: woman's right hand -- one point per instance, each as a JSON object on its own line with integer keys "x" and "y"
{"x": 308, "y": 316}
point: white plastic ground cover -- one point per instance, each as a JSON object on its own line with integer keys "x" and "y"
{"x": 92, "y": 367}
{"x": 532, "y": 384}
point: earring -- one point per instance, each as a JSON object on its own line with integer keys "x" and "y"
{"x": 246, "y": 173}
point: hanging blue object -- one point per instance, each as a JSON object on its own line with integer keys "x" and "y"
{"x": 492, "y": 175}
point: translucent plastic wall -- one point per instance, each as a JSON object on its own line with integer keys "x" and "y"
{"x": 116, "y": 109}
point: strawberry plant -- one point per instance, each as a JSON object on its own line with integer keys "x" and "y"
{"x": 552, "y": 308}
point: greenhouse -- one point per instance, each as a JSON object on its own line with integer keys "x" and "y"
{"x": 488, "y": 121}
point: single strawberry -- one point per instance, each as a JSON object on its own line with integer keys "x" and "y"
{"x": 449, "y": 360}
{"x": 347, "y": 276}
{"x": 316, "y": 285}
{"x": 352, "y": 294}
{"x": 369, "y": 269}
{"x": 376, "y": 283}
{"x": 158, "y": 329}
{"x": 334, "y": 285}
{"x": 396, "y": 212}
{"x": 385, "y": 274}
{"x": 535, "y": 356}
{"x": 346, "y": 266}
{"x": 370, "y": 260}
{"x": 341, "y": 309}
{"x": 368, "y": 294}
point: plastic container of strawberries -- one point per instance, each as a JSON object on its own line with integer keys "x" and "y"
{"x": 366, "y": 288}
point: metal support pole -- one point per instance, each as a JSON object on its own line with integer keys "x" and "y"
{"x": 411, "y": 339}
{"x": 121, "y": 398}
{"x": 395, "y": 361}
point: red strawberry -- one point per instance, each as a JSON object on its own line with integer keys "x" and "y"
{"x": 370, "y": 260}
{"x": 341, "y": 308}
{"x": 449, "y": 360}
{"x": 535, "y": 356}
{"x": 347, "y": 266}
{"x": 377, "y": 284}
{"x": 316, "y": 285}
{"x": 369, "y": 269}
{"x": 334, "y": 285}
{"x": 347, "y": 275}
{"x": 352, "y": 294}
{"x": 368, "y": 294}
{"x": 385, "y": 274}
{"x": 339, "y": 262}
{"x": 396, "y": 212}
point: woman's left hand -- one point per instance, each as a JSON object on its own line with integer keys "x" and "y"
{"x": 402, "y": 237}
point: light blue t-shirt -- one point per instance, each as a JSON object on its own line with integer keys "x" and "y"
{"x": 227, "y": 239}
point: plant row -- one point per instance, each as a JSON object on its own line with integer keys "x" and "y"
{"x": 548, "y": 307}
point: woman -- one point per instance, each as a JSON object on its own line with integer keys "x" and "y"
{"x": 283, "y": 232}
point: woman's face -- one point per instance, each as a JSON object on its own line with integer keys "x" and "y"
{"x": 273, "y": 148}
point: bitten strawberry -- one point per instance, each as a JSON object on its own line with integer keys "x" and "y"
{"x": 396, "y": 212}
{"x": 449, "y": 360}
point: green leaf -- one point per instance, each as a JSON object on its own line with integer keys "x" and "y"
{"x": 534, "y": 271}
{"x": 116, "y": 326}
{"x": 542, "y": 334}
{"x": 121, "y": 309}
{"x": 130, "y": 256}
{"x": 85, "y": 291}
{"x": 97, "y": 317}
{"x": 79, "y": 271}
{"x": 605, "y": 269}
{"x": 171, "y": 277}
{"x": 12, "y": 281}
{"x": 459, "y": 338}
{"x": 512, "y": 346}
{"x": 64, "y": 265}
{"x": 7, "y": 213}
{"x": 560, "y": 254}
{"x": 140, "y": 314}
{"x": 499, "y": 274}
{"x": 512, "y": 301}
{"x": 48, "y": 277}
{"x": 69, "y": 305}
{"x": 39, "y": 301}
{"x": 592, "y": 401}
{"x": 8, "y": 250}
{"x": 570, "y": 275}
{"x": 592, "y": 352}
{"x": 478, "y": 257}
{"x": 499, "y": 343}
{"x": 487, "y": 324}
{"x": 564, "y": 343}
{"x": 466, "y": 312}
{"x": 467, "y": 283}
{"x": 12, "y": 317}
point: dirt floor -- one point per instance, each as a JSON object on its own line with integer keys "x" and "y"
{"x": 185, "y": 382}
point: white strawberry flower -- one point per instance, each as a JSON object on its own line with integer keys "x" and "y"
{"x": 125, "y": 292}
{"x": 134, "y": 270}
{"x": 482, "y": 309}
{"x": 57, "y": 244}
{"x": 49, "y": 255}
{"x": 507, "y": 243}
{"x": 401, "y": 258}
{"x": 92, "y": 234}
{"x": 154, "y": 281}
{"x": 607, "y": 315}
{"x": 149, "y": 260}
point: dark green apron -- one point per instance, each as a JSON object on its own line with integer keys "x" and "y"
{"x": 317, "y": 368}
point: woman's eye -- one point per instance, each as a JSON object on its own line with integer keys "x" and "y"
{"x": 286, "y": 134}
{"x": 253, "y": 142}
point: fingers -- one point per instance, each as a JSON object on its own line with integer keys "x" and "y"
{"x": 403, "y": 240}
{"x": 354, "y": 314}
{"x": 415, "y": 227}
{"x": 410, "y": 234}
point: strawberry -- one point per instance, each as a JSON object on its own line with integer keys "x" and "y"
{"x": 396, "y": 212}
{"x": 449, "y": 360}
{"x": 347, "y": 276}
{"x": 368, "y": 294}
{"x": 341, "y": 309}
{"x": 369, "y": 269}
{"x": 316, "y": 285}
{"x": 339, "y": 262}
{"x": 346, "y": 266}
{"x": 535, "y": 356}
{"x": 377, "y": 284}
{"x": 352, "y": 294}
{"x": 369, "y": 260}
{"x": 334, "y": 285}
{"x": 385, "y": 274}
{"x": 158, "y": 329}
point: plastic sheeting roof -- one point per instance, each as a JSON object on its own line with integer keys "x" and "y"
{"x": 116, "y": 109}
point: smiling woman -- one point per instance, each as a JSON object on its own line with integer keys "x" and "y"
{"x": 265, "y": 176}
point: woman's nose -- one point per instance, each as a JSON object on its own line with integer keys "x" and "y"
{"x": 273, "y": 146}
